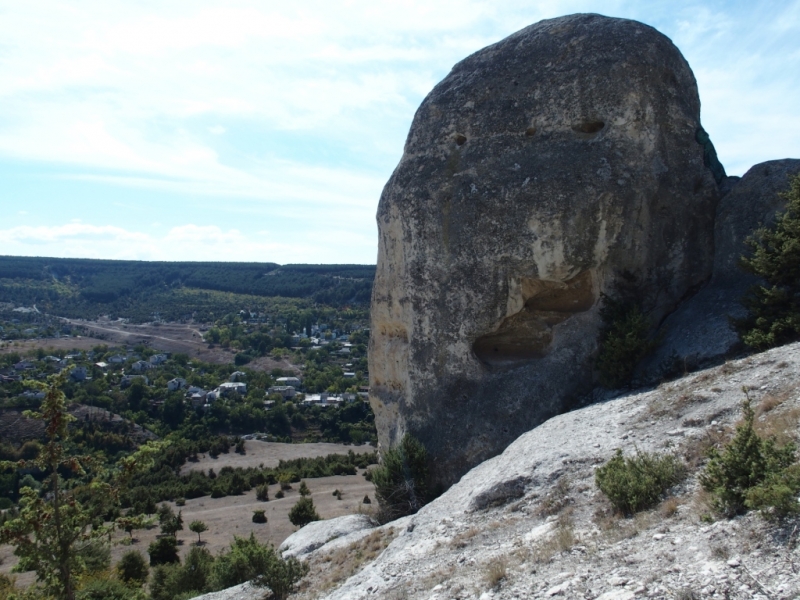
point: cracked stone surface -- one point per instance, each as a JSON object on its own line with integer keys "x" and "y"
{"x": 536, "y": 173}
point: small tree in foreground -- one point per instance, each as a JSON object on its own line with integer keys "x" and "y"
{"x": 752, "y": 473}
{"x": 198, "y": 527}
{"x": 774, "y": 309}
{"x": 52, "y": 533}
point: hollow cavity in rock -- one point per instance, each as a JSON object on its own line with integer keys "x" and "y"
{"x": 527, "y": 334}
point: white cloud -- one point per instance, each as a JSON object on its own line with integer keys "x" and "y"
{"x": 181, "y": 243}
{"x": 205, "y": 99}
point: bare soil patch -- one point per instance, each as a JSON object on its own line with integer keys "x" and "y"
{"x": 269, "y": 454}
{"x": 232, "y": 516}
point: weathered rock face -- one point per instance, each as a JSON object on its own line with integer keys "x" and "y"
{"x": 537, "y": 172}
{"x": 700, "y": 330}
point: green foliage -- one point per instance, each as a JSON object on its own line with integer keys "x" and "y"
{"x": 303, "y": 489}
{"x": 401, "y": 481}
{"x": 171, "y": 581}
{"x": 303, "y": 512}
{"x": 59, "y": 535}
{"x": 198, "y": 527}
{"x": 131, "y": 523}
{"x": 774, "y": 309}
{"x": 752, "y": 473}
{"x": 638, "y": 482}
{"x": 132, "y": 568}
{"x": 624, "y": 335}
{"x": 259, "y": 516}
{"x": 247, "y": 560}
{"x": 105, "y": 588}
{"x": 163, "y": 551}
{"x": 87, "y": 287}
{"x": 262, "y": 492}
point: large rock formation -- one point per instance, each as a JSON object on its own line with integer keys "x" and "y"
{"x": 700, "y": 330}
{"x": 539, "y": 170}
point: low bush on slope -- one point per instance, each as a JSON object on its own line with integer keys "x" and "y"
{"x": 638, "y": 482}
{"x": 753, "y": 473}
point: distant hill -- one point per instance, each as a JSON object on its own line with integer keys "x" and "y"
{"x": 136, "y": 289}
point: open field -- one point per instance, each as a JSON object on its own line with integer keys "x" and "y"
{"x": 269, "y": 454}
{"x": 232, "y": 516}
{"x": 165, "y": 337}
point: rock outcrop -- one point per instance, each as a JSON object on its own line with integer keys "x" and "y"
{"x": 319, "y": 533}
{"x": 534, "y": 175}
{"x": 548, "y": 532}
{"x": 700, "y": 329}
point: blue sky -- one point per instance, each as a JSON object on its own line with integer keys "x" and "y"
{"x": 265, "y": 131}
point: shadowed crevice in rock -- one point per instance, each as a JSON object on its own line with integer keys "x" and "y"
{"x": 528, "y": 334}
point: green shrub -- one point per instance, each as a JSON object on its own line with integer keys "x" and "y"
{"x": 195, "y": 574}
{"x": 366, "y": 500}
{"x": 163, "y": 551}
{"x": 262, "y": 492}
{"x": 173, "y": 581}
{"x": 107, "y": 589}
{"x": 624, "y": 336}
{"x": 303, "y": 512}
{"x": 198, "y": 527}
{"x": 638, "y": 482}
{"x": 96, "y": 555}
{"x": 259, "y": 516}
{"x": 401, "y": 480}
{"x": 774, "y": 309}
{"x": 303, "y": 489}
{"x": 752, "y": 472}
{"x": 132, "y": 568}
{"x": 279, "y": 494}
{"x": 247, "y": 560}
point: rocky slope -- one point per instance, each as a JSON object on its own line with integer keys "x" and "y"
{"x": 531, "y": 523}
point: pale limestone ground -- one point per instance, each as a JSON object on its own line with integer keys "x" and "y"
{"x": 487, "y": 536}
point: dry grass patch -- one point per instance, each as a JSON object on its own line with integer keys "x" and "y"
{"x": 496, "y": 571}
{"x": 771, "y": 401}
{"x": 780, "y": 424}
{"x": 669, "y": 507}
{"x": 335, "y": 567}
{"x": 695, "y": 450}
{"x": 557, "y": 499}
{"x": 462, "y": 539}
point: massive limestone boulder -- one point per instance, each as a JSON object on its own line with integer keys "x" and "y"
{"x": 534, "y": 175}
{"x": 700, "y": 330}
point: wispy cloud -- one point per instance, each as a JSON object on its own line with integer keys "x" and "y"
{"x": 304, "y": 107}
{"x": 184, "y": 242}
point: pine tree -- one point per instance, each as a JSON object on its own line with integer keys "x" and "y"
{"x": 774, "y": 308}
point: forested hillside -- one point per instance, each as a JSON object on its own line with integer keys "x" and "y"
{"x": 172, "y": 290}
